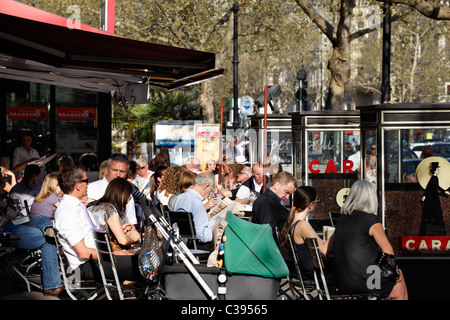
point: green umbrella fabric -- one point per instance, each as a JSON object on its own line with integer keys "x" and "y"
{"x": 251, "y": 249}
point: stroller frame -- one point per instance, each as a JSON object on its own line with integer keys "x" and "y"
{"x": 179, "y": 247}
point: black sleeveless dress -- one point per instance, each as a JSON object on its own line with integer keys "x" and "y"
{"x": 304, "y": 261}
{"x": 354, "y": 256}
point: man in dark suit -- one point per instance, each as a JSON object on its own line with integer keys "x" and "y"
{"x": 268, "y": 207}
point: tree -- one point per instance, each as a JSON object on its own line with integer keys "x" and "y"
{"x": 420, "y": 63}
{"x": 340, "y": 35}
{"x": 427, "y": 8}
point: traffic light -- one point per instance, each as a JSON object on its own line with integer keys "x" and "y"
{"x": 304, "y": 94}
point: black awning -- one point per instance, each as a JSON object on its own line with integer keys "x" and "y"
{"x": 47, "y": 53}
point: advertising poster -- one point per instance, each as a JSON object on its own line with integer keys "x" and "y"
{"x": 207, "y": 142}
{"x": 28, "y": 113}
{"x": 76, "y": 114}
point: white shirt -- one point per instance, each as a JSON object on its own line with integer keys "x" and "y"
{"x": 73, "y": 226}
{"x": 244, "y": 191}
{"x": 23, "y": 193}
{"x": 356, "y": 159}
{"x": 21, "y": 155}
{"x": 97, "y": 189}
{"x": 162, "y": 198}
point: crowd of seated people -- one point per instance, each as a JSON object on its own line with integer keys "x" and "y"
{"x": 66, "y": 201}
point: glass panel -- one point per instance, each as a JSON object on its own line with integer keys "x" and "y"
{"x": 76, "y": 124}
{"x": 324, "y": 151}
{"x": 28, "y": 106}
{"x": 370, "y": 156}
{"x": 297, "y": 153}
{"x": 401, "y": 166}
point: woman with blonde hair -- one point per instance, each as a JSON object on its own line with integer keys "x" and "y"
{"x": 48, "y": 198}
{"x": 169, "y": 183}
{"x": 186, "y": 179}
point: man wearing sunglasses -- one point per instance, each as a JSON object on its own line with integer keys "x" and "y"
{"x": 116, "y": 167}
{"x": 73, "y": 223}
{"x": 142, "y": 180}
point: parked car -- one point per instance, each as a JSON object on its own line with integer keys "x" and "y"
{"x": 440, "y": 148}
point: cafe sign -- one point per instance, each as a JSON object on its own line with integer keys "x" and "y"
{"x": 426, "y": 244}
{"x": 76, "y": 114}
{"x": 331, "y": 167}
{"x": 28, "y": 113}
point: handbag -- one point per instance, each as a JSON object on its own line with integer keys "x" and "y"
{"x": 388, "y": 266}
{"x": 151, "y": 257}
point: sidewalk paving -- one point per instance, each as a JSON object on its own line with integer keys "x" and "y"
{"x": 24, "y": 295}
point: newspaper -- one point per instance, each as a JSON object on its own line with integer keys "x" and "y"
{"x": 218, "y": 215}
{"x": 43, "y": 161}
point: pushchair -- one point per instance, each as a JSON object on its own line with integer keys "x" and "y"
{"x": 160, "y": 238}
{"x": 253, "y": 267}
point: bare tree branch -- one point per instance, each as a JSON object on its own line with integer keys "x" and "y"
{"x": 424, "y": 7}
{"x": 327, "y": 28}
{"x": 362, "y": 32}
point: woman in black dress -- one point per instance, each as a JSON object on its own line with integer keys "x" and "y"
{"x": 305, "y": 202}
{"x": 357, "y": 241}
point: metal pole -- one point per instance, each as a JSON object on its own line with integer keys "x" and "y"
{"x": 236, "y": 120}
{"x": 386, "y": 64}
{"x": 221, "y": 146}
{"x": 300, "y": 95}
{"x": 264, "y": 146}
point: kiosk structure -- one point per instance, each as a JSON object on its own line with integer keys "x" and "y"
{"x": 395, "y": 130}
{"x": 278, "y": 139}
{"x": 323, "y": 141}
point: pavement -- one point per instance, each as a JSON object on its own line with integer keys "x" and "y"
{"x": 33, "y": 295}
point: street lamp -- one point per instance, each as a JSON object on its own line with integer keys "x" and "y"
{"x": 386, "y": 63}
{"x": 301, "y": 93}
{"x": 236, "y": 119}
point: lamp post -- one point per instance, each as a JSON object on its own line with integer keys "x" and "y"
{"x": 236, "y": 120}
{"x": 386, "y": 63}
{"x": 301, "y": 77}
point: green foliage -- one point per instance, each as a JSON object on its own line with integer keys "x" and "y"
{"x": 137, "y": 121}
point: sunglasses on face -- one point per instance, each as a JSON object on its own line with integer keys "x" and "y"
{"x": 85, "y": 180}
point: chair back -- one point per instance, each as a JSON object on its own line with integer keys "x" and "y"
{"x": 317, "y": 263}
{"x": 73, "y": 281}
{"x": 104, "y": 254}
{"x": 102, "y": 245}
{"x": 185, "y": 224}
{"x": 334, "y": 216}
{"x": 297, "y": 266}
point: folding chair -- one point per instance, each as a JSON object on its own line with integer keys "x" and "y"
{"x": 293, "y": 280}
{"x": 106, "y": 257}
{"x": 76, "y": 288}
{"x": 186, "y": 228}
{"x": 334, "y": 216}
{"x": 22, "y": 263}
{"x": 104, "y": 254}
{"x": 322, "y": 286}
{"x": 317, "y": 264}
{"x": 307, "y": 286}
